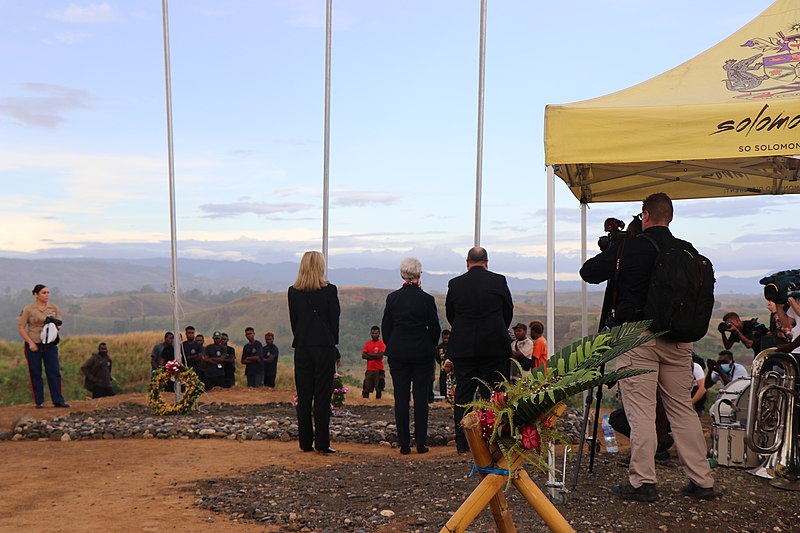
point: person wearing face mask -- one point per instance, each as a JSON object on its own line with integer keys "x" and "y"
{"x": 724, "y": 369}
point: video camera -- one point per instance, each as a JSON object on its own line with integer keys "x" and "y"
{"x": 781, "y": 285}
{"x": 615, "y": 229}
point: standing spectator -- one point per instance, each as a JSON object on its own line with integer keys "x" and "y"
{"x": 39, "y": 317}
{"x": 411, "y": 329}
{"x": 253, "y": 359}
{"x": 539, "y": 345}
{"x": 441, "y": 357}
{"x": 230, "y": 363}
{"x": 668, "y": 359}
{"x": 479, "y": 309}
{"x": 522, "y": 352}
{"x": 214, "y": 356}
{"x": 314, "y": 316}
{"x": 97, "y": 373}
{"x": 270, "y": 354}
{"x": 163, "y": 351}
{"x": 373, "y": 353}
{"x": 192, "y": 349}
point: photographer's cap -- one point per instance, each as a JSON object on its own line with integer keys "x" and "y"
{"x": 49, "y": 333}
{"x": 216, "y": 335}
{"x": 520, "y": 325}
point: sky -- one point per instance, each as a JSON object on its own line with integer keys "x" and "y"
{"x": 83, "y": 137}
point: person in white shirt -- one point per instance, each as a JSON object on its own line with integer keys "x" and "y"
{"x": 521, "y": 351}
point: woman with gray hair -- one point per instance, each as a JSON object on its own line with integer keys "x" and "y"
{"x": 411, "y": 330}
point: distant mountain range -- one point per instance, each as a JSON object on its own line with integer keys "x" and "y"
{"x": 101, "y": 276}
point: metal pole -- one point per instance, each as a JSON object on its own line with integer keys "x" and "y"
{"x": 327, "y": 133}
{"x": 479, "y": 164}
{"x": 178, "y": 345}
{"x": 584, "y": 299}
{"x": 551, "y": 260}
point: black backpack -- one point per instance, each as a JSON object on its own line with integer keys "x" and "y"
{"x": 680, "y": 298}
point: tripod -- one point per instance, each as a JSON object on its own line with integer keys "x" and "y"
{"x": 609, "y": 300}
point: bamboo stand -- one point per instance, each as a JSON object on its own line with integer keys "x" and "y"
{"x": 490, "y": 490}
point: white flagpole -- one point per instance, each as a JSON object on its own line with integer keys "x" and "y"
{"x": 177, "y": 344}
{"x": 327, "y": 133}
{"x": 479, "y": 163}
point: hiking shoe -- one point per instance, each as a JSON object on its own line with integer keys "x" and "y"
{"x": 645, "y": 493}
{"x": 62, "y": 405}
{"x": 696, "y": 491}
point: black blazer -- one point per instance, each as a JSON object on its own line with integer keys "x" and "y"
{"x": 479, "y": 309}
{"x": 314, "y": 316}
{"x": 410, "y": 325}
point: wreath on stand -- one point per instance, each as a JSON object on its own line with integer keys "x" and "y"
{"x": 192, "y": 389}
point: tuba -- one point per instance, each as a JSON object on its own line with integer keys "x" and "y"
{"x": 773, "y": 418}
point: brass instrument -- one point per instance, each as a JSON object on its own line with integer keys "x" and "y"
{"x": 773, "y": 420}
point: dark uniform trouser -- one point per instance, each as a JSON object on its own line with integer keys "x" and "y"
{"x": 47, "y": 353}
{"x": 404, "y": 374}
{"x": 314, "y": 367}
{"x": 489, "y": 369}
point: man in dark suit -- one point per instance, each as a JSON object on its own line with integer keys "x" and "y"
{"x": 479, "y": 309}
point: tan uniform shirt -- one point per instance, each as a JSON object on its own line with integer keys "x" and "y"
{"x": 33, "y": 316}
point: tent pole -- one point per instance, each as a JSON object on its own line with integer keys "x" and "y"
{"x": 551, "y": 260}
{"x": 584, "y": 302}
{"x": 479, "y": 163}
{"x": 326, "y": 134}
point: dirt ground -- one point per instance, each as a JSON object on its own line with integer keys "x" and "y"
{"x": 226, "y": 485}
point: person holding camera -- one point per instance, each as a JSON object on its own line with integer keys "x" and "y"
{"x": 748, "y": 332}
{"x": 628, "y": 266}
{"x": 724, "y": 369}
{"x": 38, "y": 325}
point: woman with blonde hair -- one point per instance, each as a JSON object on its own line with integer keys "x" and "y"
{"x": 314, "y": 317}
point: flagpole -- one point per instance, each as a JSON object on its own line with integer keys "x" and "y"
{"x": 177, "y": 344}
{"x": 479, "y": 163}
{"x": 327, "y": 134}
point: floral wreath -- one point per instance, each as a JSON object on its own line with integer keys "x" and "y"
{"x": 174, "y": 371}
{"x": 339, "y": 392}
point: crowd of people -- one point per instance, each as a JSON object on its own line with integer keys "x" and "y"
{"x": 658, "y": 409}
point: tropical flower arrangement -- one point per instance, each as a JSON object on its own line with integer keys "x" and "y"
{"x": 339, "y": 392}
{"x": 174, "y": 371}
{"x": 519, "y": 417}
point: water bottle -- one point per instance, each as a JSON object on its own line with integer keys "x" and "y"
{"x": 608, "y": 434}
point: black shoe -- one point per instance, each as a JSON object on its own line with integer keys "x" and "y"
{"x": 423, "y": 449}
{"x": 663, "y": 458}
{"x": 462, "y": 449}
{"x": 307, "y": 449}
{"x": 645, "y": 493}
{"x": 405, "y": 450}
{"x": 377, "y": 395}
{"x": 624, "y": 460}
{"x": 696, "y": 491}
{"x": 62, "y": 405}
{"x": 327, "y": 451}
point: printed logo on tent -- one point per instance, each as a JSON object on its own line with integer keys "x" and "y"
{"x": 773, "y": 71}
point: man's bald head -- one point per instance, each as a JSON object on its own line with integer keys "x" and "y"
{"x": 477, "y": 256}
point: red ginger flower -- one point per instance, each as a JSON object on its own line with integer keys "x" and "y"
{"x": 530, "y": 437}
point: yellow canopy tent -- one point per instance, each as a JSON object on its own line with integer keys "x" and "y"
{"x": 726, "y": 123}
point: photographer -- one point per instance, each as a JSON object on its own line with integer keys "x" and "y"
{"x": 724, "y": 369}
{"x": 748, "y": 333}
{"x": 628, "y": 265}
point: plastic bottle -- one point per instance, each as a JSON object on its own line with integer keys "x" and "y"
{"x": 610, "y": 437}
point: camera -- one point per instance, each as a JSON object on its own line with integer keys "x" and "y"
{"x": 711, "y": 363}
{"x": 724, "y": 326}
{"x": 53, "y": 320}
{"x": 781, "y": 285}
{"x": 614, "y": 227}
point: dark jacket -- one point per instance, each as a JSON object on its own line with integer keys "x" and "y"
{"x": 637, "y": 256}
{"x": 410, "y": 325}
{"x": 314, "y": 316}
{"x": 479, "y": 309}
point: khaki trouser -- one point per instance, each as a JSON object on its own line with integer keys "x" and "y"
{"x": 672, "y": 376}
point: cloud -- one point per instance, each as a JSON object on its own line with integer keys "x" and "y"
{"x": 363, "y": 198}
{"x": 84, "y": 14}
{"x": 70, "y": 37}
{"x": 234, "y": 209}
{"x": 44, "y": 108}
